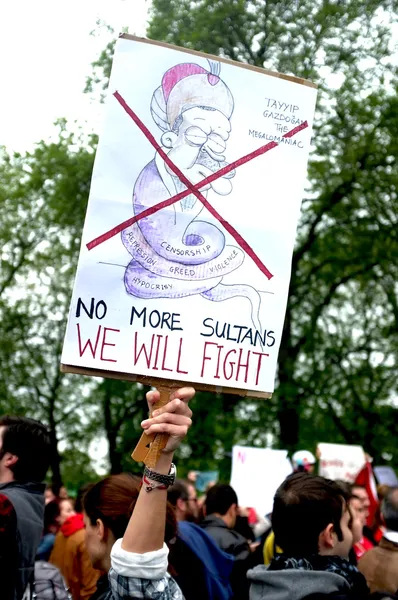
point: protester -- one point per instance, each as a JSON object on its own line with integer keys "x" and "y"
{"x": 137, "y": 564}
{"x": 382, "y": 491}
{"x": 70, "y": 555}
{"x": 362, "y": 544}
{"x": 380, "y": 565}
{"x": 303, "y": 461}
{"x": 221, "y": 509}
{"x": 51, "y": 526}
{"x": 360, "y": 492}
{"x": 24, "y": 460}
{"x": 201, "y": 568}
{"x": 270, "y": 548}
{"x": 110, "y": 503}
{"x": 63, "y": 493}
{"x": 49, "y": 494}
{"x": 258, "y": 524}
{"x": 371, "y": 535}
{"x": 312, "y": 523}
{"x": 182, "y": 495}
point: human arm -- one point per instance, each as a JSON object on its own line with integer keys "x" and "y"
{"x": 139, "y": 560}
{"x": 145, "y": 531}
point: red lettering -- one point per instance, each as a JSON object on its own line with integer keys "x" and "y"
{"x": 206, "y": 357}
{"x": 166, "y": 341}
{"x": 244, "y": 365}
{"x": 260, "y": 358}
{"x": 104, "y": 343}
{"x": 148, "y": 357}
{"x": 178, "y": 359}
{"x": 231, "y": 364}
{"x": 88, "y": 343}
{"x": 155, "y": 366}
{"x": 241, "y": 457}
{"x": 217, "y": 376}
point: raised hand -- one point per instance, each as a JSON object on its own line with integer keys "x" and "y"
{"x": 174, "y": 418}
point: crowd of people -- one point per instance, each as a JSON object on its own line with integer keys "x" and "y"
{"x": 150, "y": 536}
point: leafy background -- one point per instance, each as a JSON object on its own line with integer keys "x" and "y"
{"x": 337, "y": 373}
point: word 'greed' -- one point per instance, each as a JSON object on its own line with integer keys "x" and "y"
{"x": 164, "y": 353}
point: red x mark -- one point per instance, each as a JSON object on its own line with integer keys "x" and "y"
{"x": 191, "y": 188}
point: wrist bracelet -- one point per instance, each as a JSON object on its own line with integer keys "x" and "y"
{"x": 153, "y": 480}
{"x": 150, "y": 485}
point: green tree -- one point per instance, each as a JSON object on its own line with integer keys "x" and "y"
{"x": 338, "y": 350}
{"x": 43, "y": 197}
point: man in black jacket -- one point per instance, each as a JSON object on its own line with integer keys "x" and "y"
{"x": 24, "y": 460}
{"x": 221, "y": 509}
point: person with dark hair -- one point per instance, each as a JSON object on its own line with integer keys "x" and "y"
{"x": 182, "y": 495}
{"x": 202, "y": 569}
{"x": 24, "y": 460}
{"x": 380, "y": 565}
{"x": 312, "y": 524}
{"x": 80, "y": 495}
{"x": 128, "y": 521}
{"x": 108, "y": 506}
{"x": 69, "y": 553}
{"x": 49, "y": 494}
{"x": 221, "y": 510}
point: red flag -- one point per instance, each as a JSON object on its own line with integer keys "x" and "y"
{"x": 366, "y": 479}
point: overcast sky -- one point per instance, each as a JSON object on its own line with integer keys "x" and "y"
{"x": 46, "y": 51}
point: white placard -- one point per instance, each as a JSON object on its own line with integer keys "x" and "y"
{"x": 256, "y": 475}
{"x": 340, "y": 461}
{"x": 197, "y": 290}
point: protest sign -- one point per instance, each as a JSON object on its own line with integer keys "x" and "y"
{"x": 256, "y": 475}
{"x": 186, "y": 252}
{"x": 340, "y": 461}
{"x": 204, "y": 479}
{"x": 386, "y": 476}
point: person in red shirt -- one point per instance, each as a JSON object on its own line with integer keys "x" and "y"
{"x": 360, "y": 511}
{"x": 70, "y": 555}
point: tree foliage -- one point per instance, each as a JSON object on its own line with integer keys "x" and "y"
{"x": 338, "y": 353}
{"x": 336, "y": 377}
{"x": 43, "y": 200}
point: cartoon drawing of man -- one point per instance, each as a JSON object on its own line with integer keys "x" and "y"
{"x": 176, "y": 251}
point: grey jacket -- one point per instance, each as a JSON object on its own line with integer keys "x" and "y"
{"x": 293, "y": 584}
{"x": 28, "y": 502}
{"x": 227, "y": 539}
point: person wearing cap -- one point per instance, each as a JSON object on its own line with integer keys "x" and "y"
{"x": 303, "y": 461}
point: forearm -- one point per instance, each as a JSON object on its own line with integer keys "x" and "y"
{"x": 146, "y": 528}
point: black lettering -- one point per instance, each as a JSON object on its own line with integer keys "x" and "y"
{"x": 134, "y": 312}
{"x": 104, "y": 307}
{"x": 166, "y": 316}
{"x": 175, "y": 321}
{"x": 80, "y": 304}
{"x": 154, "y": 312}
{"x": 271, "y": 337}
{"x": 95, "y": 307}
{"x": 209, "y": 327}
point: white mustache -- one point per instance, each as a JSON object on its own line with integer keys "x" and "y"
{"x": 213, "y": 164}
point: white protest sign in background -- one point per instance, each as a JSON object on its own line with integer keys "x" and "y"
{"x": 195, "y": 290}
{"x": 256, "y": 475}
{"x": 340, "y": 461}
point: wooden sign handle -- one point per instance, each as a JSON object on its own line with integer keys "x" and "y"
{"x": 150, "y": 447}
